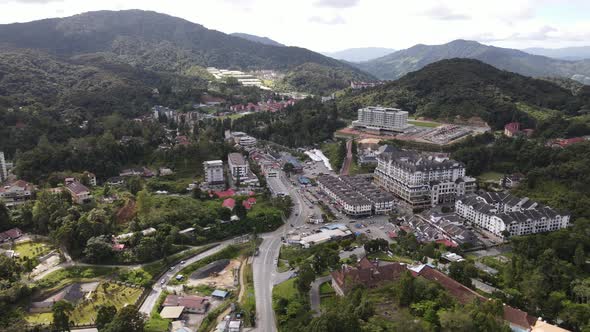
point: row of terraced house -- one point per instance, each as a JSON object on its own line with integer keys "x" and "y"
{"x": 356, "y": 195}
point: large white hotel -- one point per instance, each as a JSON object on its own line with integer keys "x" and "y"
{"x": 421, "y": 180}
{"x": 382, "y": 118}
{"x": 502, "y": 214}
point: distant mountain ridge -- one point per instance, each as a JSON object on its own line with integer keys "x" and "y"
{"x": 160, "y": 42}
{"x": 399, "y": 63}
{"x": 257, "y": 39}
{"x": 566, "y": 53}
{"x": 360, "y": 54}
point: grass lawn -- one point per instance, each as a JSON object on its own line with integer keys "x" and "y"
{"x": 327, "y": 301}
{"x": 285, "y": 290}
{"x": 116, "y": 295}
{"x": 384, "y": 257}
{"x": 423, "y": 124}
{"x": 248, "y": 301}
{"x": 85, "y": 312}
{"x": 490, "y": 176}
{"x": 326, "y": 288}
{"x": 283, "y": 266}
{"x": 39, "y": 318}
{"x": 31, "y": 249}
{"x": 63, "y": 277}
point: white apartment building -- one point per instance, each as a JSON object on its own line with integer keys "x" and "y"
{"x": 3, "y": 168}
{"x": 238, "y": 166}
{"x": 501, "y": 212}
{"x": 382, "y": 118}
{"x": 247, "y": 141}
{"x": 214, "y": 172}
{"x": 421, "y": 180}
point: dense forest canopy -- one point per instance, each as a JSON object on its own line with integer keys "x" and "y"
{"x": 307, "y": 122}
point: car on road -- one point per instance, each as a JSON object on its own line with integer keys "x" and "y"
{"x": 163, "y": 281}
{"x": 172, "y": 268}
{"x": 182, "y": 262}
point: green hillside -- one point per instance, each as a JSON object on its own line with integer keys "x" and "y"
{"x": 464, "y": 88}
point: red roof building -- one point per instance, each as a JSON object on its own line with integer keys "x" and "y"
{"x": 229, "y": 203}
{"x": 565, "y": 142}
{"x": 372, "y": 274}
{"x": 11, "y": 234}
{"x": 225, "y": 194}
{"x": 512, "y": 129}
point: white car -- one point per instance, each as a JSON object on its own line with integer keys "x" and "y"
{"x": 182, "y": 262}
{"x": 163, "y": 281}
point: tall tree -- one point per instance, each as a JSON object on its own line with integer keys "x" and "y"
{"x": 105, "y": 315}
{"x": 128, "y": 319}
{"x": 61, "y": 315}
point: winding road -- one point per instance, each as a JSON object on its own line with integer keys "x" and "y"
{"x": 264, "y": 266}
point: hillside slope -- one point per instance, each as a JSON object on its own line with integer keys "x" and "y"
{"x": 397, "y": 64}
{"x": 464, "y": 88}
{"x": 157, "y": 42}
{"x": 257, "y": 39}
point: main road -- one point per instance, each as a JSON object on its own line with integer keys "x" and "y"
{"x": 265, "y": 264}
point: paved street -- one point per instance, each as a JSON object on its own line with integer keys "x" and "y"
{"x": 264, "y": 265}
{"x": 314, "y": 294}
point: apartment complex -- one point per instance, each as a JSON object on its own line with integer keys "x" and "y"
{"x": 356, "y": 195}
{"x": 502, "y": 214}
{"x": 214, "y": 172}
{"x": 421, "y": 180}
{"x": 381, "y": 118}
{"x": 3, "y": 168}
{"x": 239, "y": 169}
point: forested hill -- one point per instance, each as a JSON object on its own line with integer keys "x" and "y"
{"x": 156, "y": 42}
{"x": 397, "y": 64}
{"x": 258, "y": 39}
{"x": 465, "y": 88}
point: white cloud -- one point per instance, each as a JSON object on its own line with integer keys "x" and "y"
{"x": 444, "y": 13}
{"x": 329, "y": 21}
{"x": 336, "y": 3}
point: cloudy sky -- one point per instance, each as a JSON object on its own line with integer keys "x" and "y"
{"x": 330, "y": 25}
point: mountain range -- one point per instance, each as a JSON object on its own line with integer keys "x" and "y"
{"x": 258, "y": 39}
{"x": 399, "y": 63}
{"x": 158, "y": 42}
{"x": 566, "y": 53}
{"x": 359, "y": 54}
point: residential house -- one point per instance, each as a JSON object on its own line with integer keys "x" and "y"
{"x": 10, "y": 235}
{"x": 80, "y": 193}
{"x": 16, "y": 192}
{"x": 191, "y": 303}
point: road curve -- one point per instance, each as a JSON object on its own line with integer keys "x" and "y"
{"x": 264, "y": 265}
